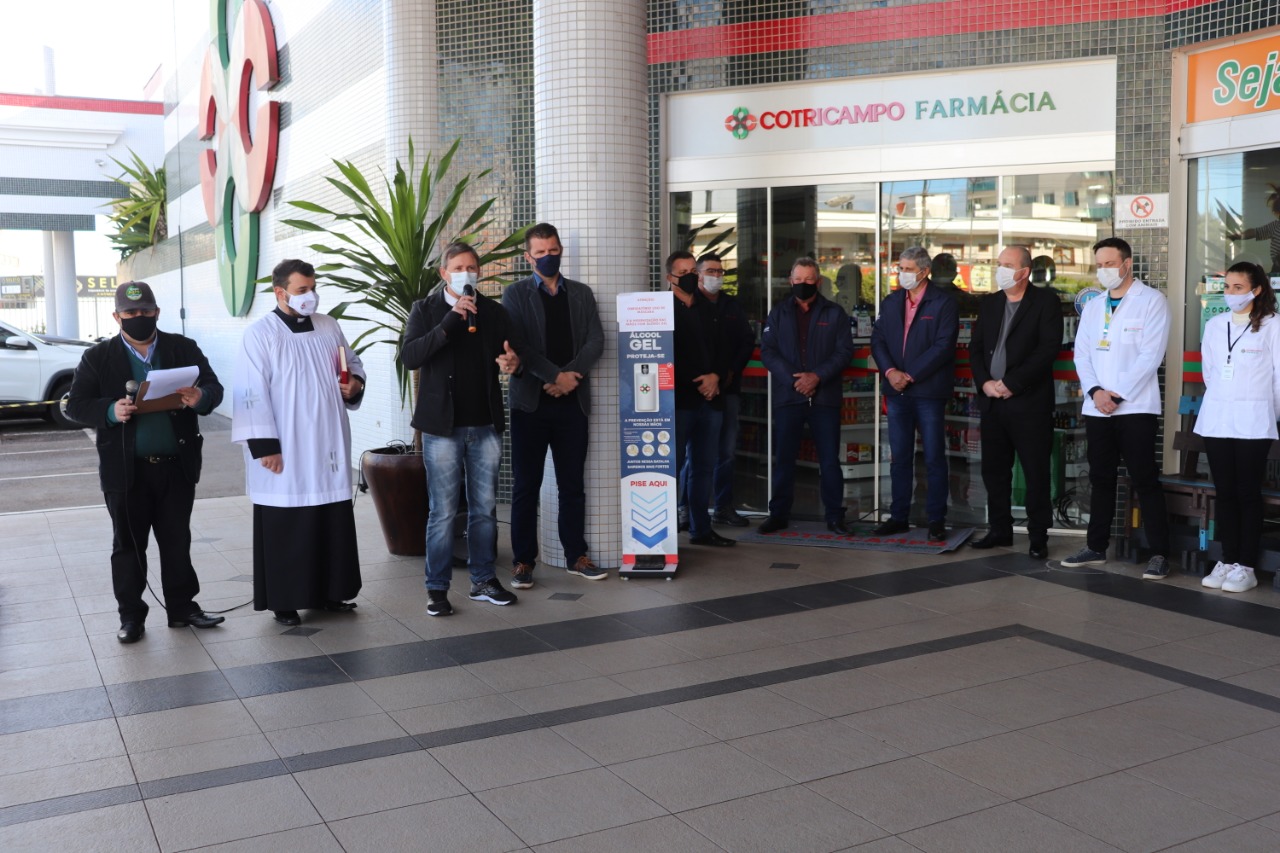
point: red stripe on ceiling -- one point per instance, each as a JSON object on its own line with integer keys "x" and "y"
{"x": 926, "y": 20}
{"x": 90, "y": 105}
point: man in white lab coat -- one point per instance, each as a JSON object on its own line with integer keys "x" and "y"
{"x": 1119, "y": 347}
{"x": 291, "y": 403}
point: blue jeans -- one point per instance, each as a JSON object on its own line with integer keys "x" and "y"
{"x": 906, "y": 415}
{"x": 788, "y": 426}
{"x": 477, "y": 452}
{"x": 722, "y": 480}
{"x": 697, "y": 439}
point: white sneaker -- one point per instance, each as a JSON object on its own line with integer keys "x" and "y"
{"x": 1240, "y": 579}
{"x": 1214, "y": 579}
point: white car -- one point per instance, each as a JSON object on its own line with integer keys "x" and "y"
{"x": 38, "y": 369}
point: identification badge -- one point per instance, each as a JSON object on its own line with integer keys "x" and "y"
{"x": 1228, "y": 371}
{"x": 1104, "y": 344}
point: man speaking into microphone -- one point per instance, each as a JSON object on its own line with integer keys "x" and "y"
{"x": 148, "y": 464}
{"x": 459, "y": 340}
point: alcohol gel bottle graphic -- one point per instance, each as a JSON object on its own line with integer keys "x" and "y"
{"x": 646, "y": 387}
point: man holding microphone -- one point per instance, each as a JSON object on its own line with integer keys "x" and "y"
{"x": 148, "y": 464}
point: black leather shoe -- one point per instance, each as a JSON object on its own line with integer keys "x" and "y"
{"x": 288, "y": 617}
{"x": 1039, "y": 551}
{"x": 937, "y": 531}
{"x": 840, "y": 527}
{"x": 890, "y": 527}
{"x": 713, "y": 539}
{"x": 339, "y": 606}
{"x": 729, "y": 517}
{"x": 130, "y": 632}
{"x": 773, "y": 523}
{"x": 199, "y": 619}
{"x": 993, "y": 540}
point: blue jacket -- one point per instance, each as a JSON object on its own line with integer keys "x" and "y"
{"x": 830, "y": 347}
{"x": 929, "y": 355}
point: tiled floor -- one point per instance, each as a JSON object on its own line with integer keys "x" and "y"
{"x": 857, "y": 700}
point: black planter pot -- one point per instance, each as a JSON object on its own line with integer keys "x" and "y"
{"x": 397, "y": 482}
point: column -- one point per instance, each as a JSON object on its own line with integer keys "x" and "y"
{"x": 409, "y": 43}
{"x": 591, "y": 120}
{"x": 50, "y": 304}
{"x": 64, "y": 286}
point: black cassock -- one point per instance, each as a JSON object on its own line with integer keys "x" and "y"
{"x": 304, "y": 556}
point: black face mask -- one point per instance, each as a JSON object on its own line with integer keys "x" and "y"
{"x": 140, "y": 328}
{"x": 688, "y": 282}
{"x": 804, "y": 292}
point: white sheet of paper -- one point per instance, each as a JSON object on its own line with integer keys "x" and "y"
{"x": 165, "y": 382}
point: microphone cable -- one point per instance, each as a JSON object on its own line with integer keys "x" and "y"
{"x": 131, "y": 391}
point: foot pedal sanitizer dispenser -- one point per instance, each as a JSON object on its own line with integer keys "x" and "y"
{"x": 647, "y": 431}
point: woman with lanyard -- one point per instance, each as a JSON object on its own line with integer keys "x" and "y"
{"x": 1240, "y": 360}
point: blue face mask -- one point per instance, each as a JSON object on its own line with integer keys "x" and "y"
{"x": 548, "y": 266}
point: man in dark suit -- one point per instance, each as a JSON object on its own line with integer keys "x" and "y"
{"x": 1015, "y": 339}
{"x": 148, "y": 464}
{"x": 914, "y": 344}
{"x": 550, "y": 403}
{"x": 806, "y": 345}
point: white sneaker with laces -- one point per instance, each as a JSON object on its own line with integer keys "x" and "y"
{"x": 1214, "y": 579}
{"x": 1241, "y": 579}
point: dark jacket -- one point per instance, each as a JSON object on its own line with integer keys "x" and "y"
{"x": 524, "y": 308}
{"x": 701, "y": 347}
{"x": 432, "y": 326}
{"x": 830, "y": 347}
{"x": 1035, "y": 338}
{"x": 739, "y": 337}
{"x": 929, "y": 355}
{"x": 100, "y": 378}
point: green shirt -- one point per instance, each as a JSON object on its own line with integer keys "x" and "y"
{"x": 154, "y": 432}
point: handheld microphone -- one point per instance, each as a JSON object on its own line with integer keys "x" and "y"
{"x": 131, "y": 390}
{"x": 468, "y": 290}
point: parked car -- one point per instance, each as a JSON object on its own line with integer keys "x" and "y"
{"x": 37, "y": 370}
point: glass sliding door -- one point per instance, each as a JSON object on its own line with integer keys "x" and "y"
{"x": 734, "y": 224}
{"x": 856, "y": 233}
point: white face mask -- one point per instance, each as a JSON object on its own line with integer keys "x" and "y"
{"x": 908, "y": 280}
{"x": 712, "y": 283}
{"x": 1238, "y": 302}
{"x": 1005, "y": 277}
{"x": 458, "y": 281}
{"x": 1110, "y": 277}
{"x": 304, "y": 303}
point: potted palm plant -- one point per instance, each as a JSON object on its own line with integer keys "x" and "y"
{"x": 386, "y": 256}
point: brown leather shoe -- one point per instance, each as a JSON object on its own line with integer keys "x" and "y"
{"x": 522, "y": 576}
{"x": 587, "y": 569}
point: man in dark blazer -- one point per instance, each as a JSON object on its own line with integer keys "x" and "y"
{"x": 148, "y": 464}
{"x": 1016, "y": 338}
{"x": 806, "y": 345}
{"x": 550, "y": 403}
{"x": 914, "y": 345}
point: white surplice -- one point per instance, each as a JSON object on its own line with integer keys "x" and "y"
{"x": 286, "y": 388}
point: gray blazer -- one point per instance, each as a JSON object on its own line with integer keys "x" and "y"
{"x": 524, "y": 307}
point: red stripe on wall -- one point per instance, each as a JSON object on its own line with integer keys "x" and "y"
{"x": 90, "y": 105}
{"x": 928, "y": 20}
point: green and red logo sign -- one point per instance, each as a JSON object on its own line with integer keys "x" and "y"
{"x": 741, "y": 121}
{"x": 237, "y": 172}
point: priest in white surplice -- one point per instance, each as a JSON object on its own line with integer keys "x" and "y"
{"x": 291, "y": 417}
